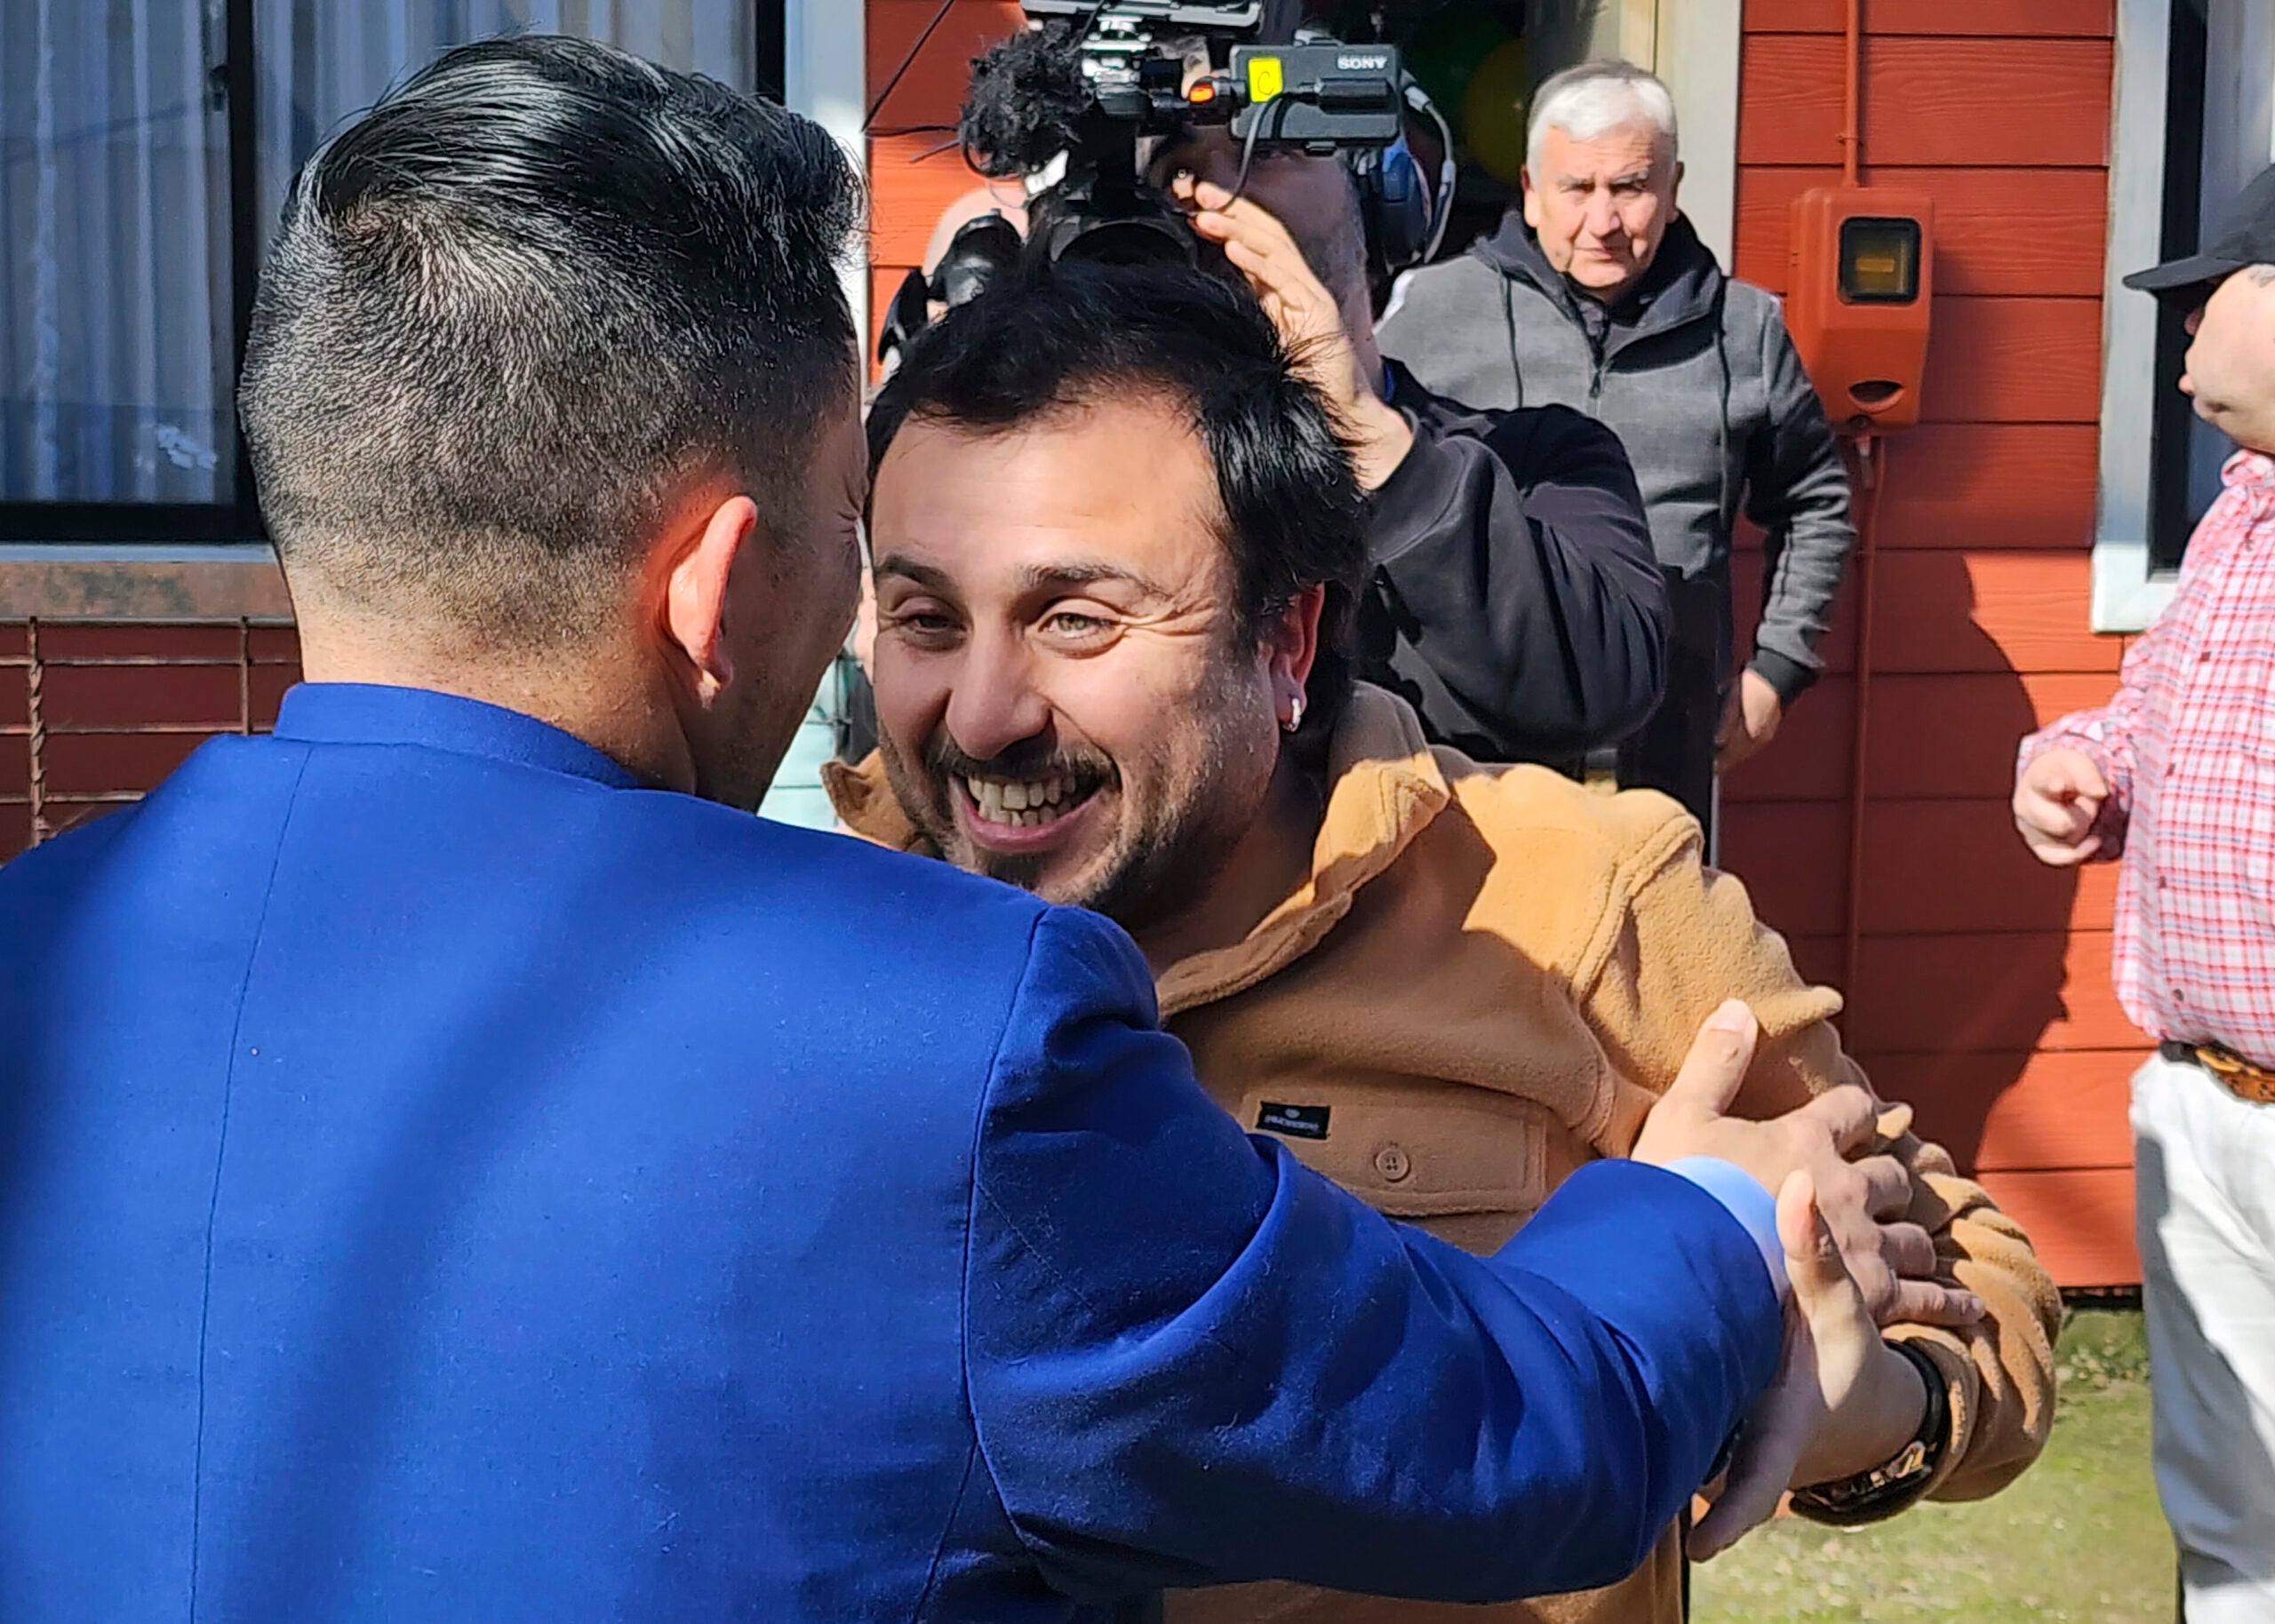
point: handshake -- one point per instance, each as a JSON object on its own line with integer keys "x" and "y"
{"x": 1844, "y": 1401}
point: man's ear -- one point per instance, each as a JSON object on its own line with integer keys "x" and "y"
{"x": 1532, "y": 197}
{"x": 1674, "y": 187}
{"x": 691, "y": 606}
{"x": 1291, "y": 642}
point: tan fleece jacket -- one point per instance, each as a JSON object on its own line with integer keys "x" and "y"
{"x": 1486, "y": 980}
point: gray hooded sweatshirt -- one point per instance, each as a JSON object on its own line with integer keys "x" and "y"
{"x": 1696, "y": 374}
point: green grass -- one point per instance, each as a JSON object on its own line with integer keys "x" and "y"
{"x": 2077, "y": 1537}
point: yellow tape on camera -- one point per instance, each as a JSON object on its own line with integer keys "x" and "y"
{"x": 1267, "y": 76}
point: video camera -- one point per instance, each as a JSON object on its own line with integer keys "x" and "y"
{"x": 1091, "y": 80}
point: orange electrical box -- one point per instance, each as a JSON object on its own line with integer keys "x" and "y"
{"x": 1857, "y": 303}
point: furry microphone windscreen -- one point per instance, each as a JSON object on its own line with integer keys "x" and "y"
{"x": 1026, "y": 100}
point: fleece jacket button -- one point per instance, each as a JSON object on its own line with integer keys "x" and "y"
{"x": 1392, "y": 1163}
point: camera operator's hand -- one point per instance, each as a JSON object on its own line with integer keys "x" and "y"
{"x": 1306, "y": 314}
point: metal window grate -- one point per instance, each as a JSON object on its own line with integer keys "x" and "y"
{"x": 49, "y": 653}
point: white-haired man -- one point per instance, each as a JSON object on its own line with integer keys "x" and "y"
{"x": 1599, "y": 295}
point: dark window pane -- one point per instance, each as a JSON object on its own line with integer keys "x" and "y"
{"x": 114, "y": 326}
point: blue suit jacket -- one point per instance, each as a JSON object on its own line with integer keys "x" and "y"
{"x": 441, "y": 1178}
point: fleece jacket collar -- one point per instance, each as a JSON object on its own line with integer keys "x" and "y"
{"x": 1384, "y": 787}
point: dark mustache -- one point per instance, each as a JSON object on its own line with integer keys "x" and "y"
{"x": 1028, "y": 760}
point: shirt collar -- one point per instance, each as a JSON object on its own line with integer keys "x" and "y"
{"x": 372, "y": 713}
{"x": 2255, "y": 468}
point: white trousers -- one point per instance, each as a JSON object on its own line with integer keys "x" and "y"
{"x": 2206, "y": 1164}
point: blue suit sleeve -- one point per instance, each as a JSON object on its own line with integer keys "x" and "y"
{"x": 1192, "y": 1361}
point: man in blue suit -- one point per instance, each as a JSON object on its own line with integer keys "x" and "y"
{"x": 451, "y": 1166}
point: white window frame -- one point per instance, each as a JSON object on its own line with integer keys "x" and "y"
{"x": 1698, "y": 47}
{"x": 2127, "y": 594}
{"x": 825, "y": 67}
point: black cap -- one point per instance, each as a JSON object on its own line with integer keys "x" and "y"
{"x": 2248, "y": 239}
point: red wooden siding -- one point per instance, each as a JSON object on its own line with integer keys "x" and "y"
{"x": 1981, "y": 994}
{"x": 913, "y": 177}
{"x": 119, "y": 707}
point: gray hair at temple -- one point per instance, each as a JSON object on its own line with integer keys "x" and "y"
{"x": 1596, "y": 97}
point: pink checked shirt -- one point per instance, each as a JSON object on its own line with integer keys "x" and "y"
{"x": 2188, "y": 747}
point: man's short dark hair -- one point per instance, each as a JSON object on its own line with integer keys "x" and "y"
{"x": 1069, "y": 334}
{"x": 514, "y": 309}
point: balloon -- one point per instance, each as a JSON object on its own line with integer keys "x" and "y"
{"x": 1446, "y": 49}
{"x": 1493, "y": 111}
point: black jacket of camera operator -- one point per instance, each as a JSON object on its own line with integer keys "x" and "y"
{"x": 1516, "y": 600}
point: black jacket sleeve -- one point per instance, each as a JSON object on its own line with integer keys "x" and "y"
{"x": 1797, "y": 491}
{"x": 1516, "y": 600}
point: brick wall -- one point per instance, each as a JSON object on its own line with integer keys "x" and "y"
{"x": 92, "y": 715}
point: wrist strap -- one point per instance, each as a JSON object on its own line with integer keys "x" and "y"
{"x": 1886, "y": 1490}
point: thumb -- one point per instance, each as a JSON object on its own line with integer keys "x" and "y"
{"x": 1716, "y": 1065}
{"x": 1822, "y": 1287}
{"x": 2087, "y": 779}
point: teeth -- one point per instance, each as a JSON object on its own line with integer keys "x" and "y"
{"x": 1019, "y": 804}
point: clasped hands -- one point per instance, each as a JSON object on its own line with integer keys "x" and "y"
{"x": 1844, "y": 1401}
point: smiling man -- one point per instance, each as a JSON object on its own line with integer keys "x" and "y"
{"x": 454, "y": 1164}
{"x": 1116, "y": 544}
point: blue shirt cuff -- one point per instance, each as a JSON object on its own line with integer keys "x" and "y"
{"x": 1743, "y": 1197}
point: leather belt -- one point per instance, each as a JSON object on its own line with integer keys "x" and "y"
{"x": 2244, "y": 1079}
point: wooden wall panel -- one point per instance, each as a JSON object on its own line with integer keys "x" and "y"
{"x": 1958, "y": 867}
{"x": 932, "y": 90}
{"x": 2079, "y": 1221}
{"x": 1964, "y": 994}
{"x": 1932, "y": 867}
{"x": 2013, "y": 360}
{"x": 1971, "y": 102}
{"x": 2017, "y": 1111}
{"x": 2026, "y": 232}
{"x": 1809, "y": 758}
{"x": 1981, "y": 487}
{"x": 1956, "y": 737}
{"x": 1986, "y": 612}
{"x": 1990, "y": 486}
{"x": 911, "y": 181}
{"x": 2047, "y": 19}
{"x": 1932, "y": 737}
{"x": 1948, "y": 612}
{"x": 1982, "y": 992}
{"x": 1794, "y": 857}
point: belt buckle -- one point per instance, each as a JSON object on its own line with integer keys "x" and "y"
{"x": 2244, "y": 1079}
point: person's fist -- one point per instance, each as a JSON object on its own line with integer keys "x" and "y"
{"x": 2058, "y": 798}
{"x": 1749, "y": 719}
